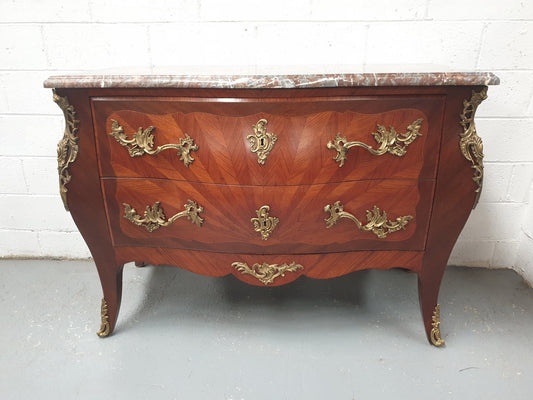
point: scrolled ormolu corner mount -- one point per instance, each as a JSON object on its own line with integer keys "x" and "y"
{"x": 143, "y": 143}
{"x": 67, "y": 148}
{"x": 154, "y": 217}
{"x": 266, "y": 273}
{"x": 377, "y": 223}
{"x": 471, "y": 144}
{"x": 261, "y": 142}
{"x": 390, "y": 142}
{"x": 264, "y": 223}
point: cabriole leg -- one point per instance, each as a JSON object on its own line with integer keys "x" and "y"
{"x": 428, "y": 293}
{"x": 111, "y": 280}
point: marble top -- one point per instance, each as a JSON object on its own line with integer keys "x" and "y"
{"x": 272, "y": 81}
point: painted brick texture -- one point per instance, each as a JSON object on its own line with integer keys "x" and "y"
{"x": 43, "y": 37}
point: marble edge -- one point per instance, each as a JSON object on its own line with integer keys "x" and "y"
{"x": 272, "y": 81}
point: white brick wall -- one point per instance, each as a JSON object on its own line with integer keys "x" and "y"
{"x": 524, "y": 259}
{"x": 43, "y": 37}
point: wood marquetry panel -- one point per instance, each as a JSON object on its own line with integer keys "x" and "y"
{"x": 300, "y": 155}
{"x": 227, "y": 212}
{"x": 318, "y": 266}
{"x": 219, "y": 210}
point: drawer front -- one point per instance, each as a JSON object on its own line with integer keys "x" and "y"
{"x": 304, "y": 141}
{"x": 364, "y": 215}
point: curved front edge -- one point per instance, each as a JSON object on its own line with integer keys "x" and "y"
{"x": 88, "y": 211}
{"x": 273, "y": 269}
{"x": 453, "y": 200}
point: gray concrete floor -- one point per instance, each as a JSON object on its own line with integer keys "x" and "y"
{"x": 185, "y": 336}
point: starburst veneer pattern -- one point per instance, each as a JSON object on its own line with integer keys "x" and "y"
{"x": 308, "y": 175}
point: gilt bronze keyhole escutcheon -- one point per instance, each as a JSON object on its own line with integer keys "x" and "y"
{"x": 261, "y": 142}
{"x": 264, "y": 223}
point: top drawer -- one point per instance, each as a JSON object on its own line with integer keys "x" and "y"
{"x": 296, "y": 140}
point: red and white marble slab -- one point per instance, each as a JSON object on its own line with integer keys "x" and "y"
{"x": 278, "y": 81}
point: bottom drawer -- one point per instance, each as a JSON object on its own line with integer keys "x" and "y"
{"x": 333, "y": 217}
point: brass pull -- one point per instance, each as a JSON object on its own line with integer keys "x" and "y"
{"x": 389, "y": 142}
{"x": 143, "y": 141}
{"x": 377, "y": 221}
{"x": 265, "y": 272}
{"x": 261, "y": 142}
{"x": 154, "y": 217}
{"x": 264, "y": 224}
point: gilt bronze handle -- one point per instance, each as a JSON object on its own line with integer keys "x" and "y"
{"x": 389, "y": 142}
{"x": 143, "y": 143}
{"x": 377, "y": 223}
{"x": 154, "y": 217}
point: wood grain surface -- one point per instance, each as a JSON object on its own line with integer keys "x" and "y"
{"x": 300, "y": 154}
{"x": 227, "y": 213}
{"x": 318, "y": 266}
{"x": 432, "y": 182}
